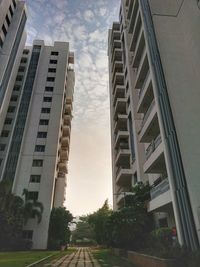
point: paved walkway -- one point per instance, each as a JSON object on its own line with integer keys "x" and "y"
{"x": 81, "y": 258}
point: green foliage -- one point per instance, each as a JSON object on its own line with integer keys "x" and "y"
{"x": 59, "y": 232}
{"x": 98, "y": 221}
{"x": 83, "y": 233}
{"x": 14, "y": 213}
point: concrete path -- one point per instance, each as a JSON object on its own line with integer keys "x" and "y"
{"x": 81, "y": 258}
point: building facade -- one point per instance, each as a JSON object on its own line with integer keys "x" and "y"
{"x": 154, "y": 53}
{"x": 12, "y": 40}
{"x": 35, "y": 139}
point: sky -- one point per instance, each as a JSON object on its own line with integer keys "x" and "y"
{"x": 85, "y": 24}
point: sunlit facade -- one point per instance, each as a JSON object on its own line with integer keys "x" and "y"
{"x": 154, "y": 102}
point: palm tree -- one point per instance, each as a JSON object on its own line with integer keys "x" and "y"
{"x": 32, "y": 208}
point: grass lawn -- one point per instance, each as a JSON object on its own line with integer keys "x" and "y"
{"x": 106, "y": 258}
{"x": 22, "y": 259}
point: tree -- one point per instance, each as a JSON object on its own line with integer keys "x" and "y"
{"x": 32, "y": 208}
{"x": 98, "y": 221}
{"x": 84, "y": 233}
{"x": 59, "y": 232}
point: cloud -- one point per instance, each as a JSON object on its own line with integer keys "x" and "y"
{"x": 88, "y": 15}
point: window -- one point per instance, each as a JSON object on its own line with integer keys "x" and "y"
{"x": 23, "y": 60}
{"x": 35, "y": 178}
{"x": 32, "y": 195}
{"x": 1, "y": 161}
{"x": 54, "y": 53}
{"x": 47, "y": 99}
{"x": 16, "y": 88}
{"x": 27, "y": 234}
{"x": 8, "y": 121}
{"x": 39, "y": 148}
{"x": 2, "y": 147}
{"x": 1, "y": 42}
{"x": 50, "y": 79}
{"x": 4, "y": 133}
{"x": 14, "y": 3}
{"x": 44, "y": 122}
{"x": 42, "y": 135}
{"x": 53, "y": 61}
{"x": 49, "y": 89}
{"x": 37, "y": 163}
{"x": 7, "y": 20}
{"x": 46, "y": 110}
{"x": 11, "y": 11}
{"x": 4, "y": 30}
{"x": 51, "y": 70}
{"x": 14, "y": 98}
{"x": 21, "y": 69}
{"x": 26, "y": 52}
{"x": 19, "y": 78}
{"x": 11, "y": 109}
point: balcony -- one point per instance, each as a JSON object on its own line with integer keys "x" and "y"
{"x": 118, "y": 80}
{"x": 119, "y": 93}
{"x": 120, "y": 107}
{"x": 123, "y": 156}
{"x": 64, "y": 155}
{"x": 65, "y": 141}
{"x": 160, "y": 197}
{"x": 160, "y": 188}
{"x": 117, "y": 67}
{"x": 117, "y": 55}
{"x": 139, "y": 48}
{"x": 146, "y": 95}
{"x": 63, "y": 167}
{"x": 122, "y": 136}
{"x": 136, "y": 32}
{"x": 155, "y": 161}
{"x": 66, "y": 131}
{"x": 121, "y": 123}
{"x": 124, "y": 176}
{"x": 116, "y": 45}
{"x": 150, "y": 125}
{"x": 143, "y": 69}
{"x": 133, "y": 14}
{"x": 130, "y": 8}
{"x": 67, "y": 119}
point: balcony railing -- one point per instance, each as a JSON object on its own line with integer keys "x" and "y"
{"x": 152, "y": 147}
{"x": 144, "y": 83}
{"x": 160, "y": 189}
{"x": 146, "y": 115}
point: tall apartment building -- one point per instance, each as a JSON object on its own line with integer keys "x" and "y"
{"x": 154, "y": 67}
{"x": 34, "y": 143}
{"x": 12, "y": 41}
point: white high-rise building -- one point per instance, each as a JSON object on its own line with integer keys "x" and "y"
{"x": 34, "y": 143}
{"x": 12, "y": 40}
{"x": 154, "y": 66}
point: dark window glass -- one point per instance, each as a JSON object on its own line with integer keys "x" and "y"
{"x": 7, "y": 20}
{"x": 1, "y": 42}
{"x": 1, "y": 161}
{"x": 21, "y": 69}
{"x": 42, "y": 135}
{"x": 46, "y": 110}
{"x": 26, "y": 52}
{"x": 5, "y": 133}
{"x": 47, "y": 99}
{"x": 11, "y": 109}
{"x": 19, "y": 78}
{"x": 4, "y": 30}
{"x": 44, "y": 122}
{"x": 51, "y": 70}
{"x": 16, "y": 88}
{"x": 50, "y": 79}
{"x": 11, "y": 11}
{"x": 32, "y": 195}
{"x": 14, "y": 3}
{"x": 2, "y": 147}
{"x": 49, "y": 89}
{"x": 39, "y": 148}
{"x": 35, "y": 178}
{"x": 54, "y": 53}
{"x": 23, "y": 60}
{"x": 27, "y": 234}
{"x": 8, "y": 121}
{"x": 14, "y": 98}
{"x": 53, "y": 61}
{"x": 37, "y": 163}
